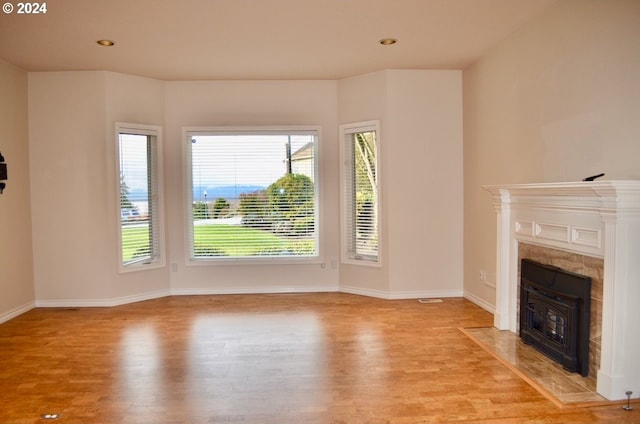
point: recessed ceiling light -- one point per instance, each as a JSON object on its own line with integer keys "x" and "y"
{"x": 388, "y": 41}
{"x": 106, "y": 43}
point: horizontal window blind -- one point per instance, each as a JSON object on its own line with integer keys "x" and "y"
{"x": 253, "y": 194}
{"x": 139, "y": 198}
{"x": 360, "y": 233}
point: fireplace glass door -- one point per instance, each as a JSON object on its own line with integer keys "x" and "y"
{"x": 556, "y": 326}
{"x": 554, "y": 314}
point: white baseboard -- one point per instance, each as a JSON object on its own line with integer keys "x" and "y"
{"x": 365, "y": 292}
{"x": 4, "y": 317}
{"x": 424, "y": 294}
{"x": 77, "y": 303}
{"x": 254, "y": 290}
{"x": 481, "y": 303}
{"x": 400, "y": 295}
{"x": 245, "y": 290}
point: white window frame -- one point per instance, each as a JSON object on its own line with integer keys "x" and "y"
{"x": 190, "y": 260}
{"x": 347, "y": 204}
{"x": 157, "y": 257}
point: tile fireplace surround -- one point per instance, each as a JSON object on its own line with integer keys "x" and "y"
{"x": 599, "y": 219}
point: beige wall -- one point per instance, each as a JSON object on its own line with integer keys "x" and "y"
{"x": 74, "y": 190}
{"x": 16, "y": 260}
{"x": 68, "y": 185}
{"x": 557, "y": 101}
{"x": 74, "y": 181}
{"x": 237, "y": 103}
{"x": 73, "y": 185}
{"x": 364, "y": 98}
{"x": 420, "y": 147}
{"x": 423, "y": 182}
{"x": 140, "y": 101}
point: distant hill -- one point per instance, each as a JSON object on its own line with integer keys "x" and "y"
{"x": 137, "y": 196}
{"x": 225, "y": 192}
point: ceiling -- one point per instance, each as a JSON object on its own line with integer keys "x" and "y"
{"x": 258, "y": 39}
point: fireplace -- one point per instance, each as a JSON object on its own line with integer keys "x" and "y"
{"x": 555, "y": 313}
{"x": 596, "y": 220}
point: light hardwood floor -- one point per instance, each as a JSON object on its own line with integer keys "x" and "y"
{"x": 299, "y": 358}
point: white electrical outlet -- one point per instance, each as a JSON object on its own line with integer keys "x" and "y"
{"x": 483, "y": 275}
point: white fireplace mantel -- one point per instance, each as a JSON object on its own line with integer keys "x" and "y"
{"x": 599, "y": 219}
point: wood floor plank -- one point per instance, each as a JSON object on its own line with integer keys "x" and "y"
{"x": 303, "y": 358}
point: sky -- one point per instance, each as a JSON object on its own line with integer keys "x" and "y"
{"x": 257, "y": 160}
{"x": 218, "y": 160}
{"x": 133, "y": 161}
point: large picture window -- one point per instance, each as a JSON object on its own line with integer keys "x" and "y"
{"x": 253, "y": 193}
{"x": 360, "y": 194}
{"x": 139, "y": 166}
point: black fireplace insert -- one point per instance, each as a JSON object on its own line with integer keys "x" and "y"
{"x": 555, "y": 312}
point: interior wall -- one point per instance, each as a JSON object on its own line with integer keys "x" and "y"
{"x": 74, "y": 182}
{"x": 556, "y": 101}
{"x": 134, "y": 100}
{"x": 16, "y": 259}
{"x": 68, "y": 185}
{"x": 364, "y": 98}
{"x": 423, "y": 183}
{"x": 251, "y": 103}
{"x": 74, "y": 191}
{"x": 420, "y": 152}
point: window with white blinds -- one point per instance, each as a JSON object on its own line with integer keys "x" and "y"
{"x": 360, "y": 194}
{"x": 253, "y": 193}
{"x": 140, "y": 235}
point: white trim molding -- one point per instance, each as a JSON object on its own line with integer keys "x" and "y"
{"x": 16, "y": 311}
{"x": 253, "y": 290}
{"x": 599, "y": 219}
{"x": 481, "y": 303}
{"x": 101, "y": 303}
{"x": 400, "y": 295}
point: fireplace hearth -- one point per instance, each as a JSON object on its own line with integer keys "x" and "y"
{"x": 555, "y": 313}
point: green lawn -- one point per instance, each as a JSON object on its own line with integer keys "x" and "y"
{"x": 234, "y": 240}
{"x": 134, "y": 239}
{"x": 222, "y": 240}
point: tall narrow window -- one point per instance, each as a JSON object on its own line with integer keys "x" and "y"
{"x": 360, "y": 194}
{"x": 139, "y": 195}
{"x": 253, "y": 193}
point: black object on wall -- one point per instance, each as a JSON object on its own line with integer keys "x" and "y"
{"x": 3, "y": 173}
{"x": 593, "y": 177}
